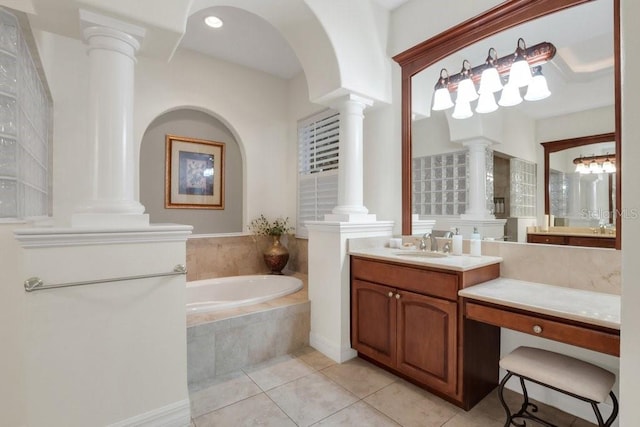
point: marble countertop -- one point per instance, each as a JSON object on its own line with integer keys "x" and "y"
{"x": 595, "y": 308}
{"x": 449, "y": 262}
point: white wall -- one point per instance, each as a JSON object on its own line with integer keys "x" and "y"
{"x": 630, "y": 350}
{"x": 12, "y": 329}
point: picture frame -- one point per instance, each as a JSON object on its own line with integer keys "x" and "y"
{"x": 194, "y": 173}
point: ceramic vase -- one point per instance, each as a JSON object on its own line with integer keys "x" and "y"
{"x": 276, "y": 256}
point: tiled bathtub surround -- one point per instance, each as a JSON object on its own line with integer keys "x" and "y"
{"x": 237, "y": 255}
{"x": 225, "y": 341}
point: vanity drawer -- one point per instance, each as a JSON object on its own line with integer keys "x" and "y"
{"x": 582, "y": 335}
{"x": 435, "y": 283}
{"x": 550, "y": 240}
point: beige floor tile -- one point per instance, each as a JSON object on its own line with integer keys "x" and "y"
{"x": 579, "y": 422}
{"x": 258, "y": 410}
{"x": 410, "y": 406}
{"x": 464, "y": 419}
{"x": 310, "y": 399}
{"x": 278, "y": 371}
{"x": 358, "y": 414}
{"x": 313, "y": 358}
{"x": 359, "y": 377}
{"x": 223, "y": 391}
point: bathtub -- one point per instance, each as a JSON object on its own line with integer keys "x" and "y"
{"x": 228, "y": 292}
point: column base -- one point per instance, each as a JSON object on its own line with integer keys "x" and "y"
{"x": 109, "y": 220}
{"x": 350, "y": 217}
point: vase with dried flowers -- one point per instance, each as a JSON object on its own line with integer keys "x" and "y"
{"x": 277, "y": 255}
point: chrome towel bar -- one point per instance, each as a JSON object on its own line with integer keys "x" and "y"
{"x": 36, "y": 284}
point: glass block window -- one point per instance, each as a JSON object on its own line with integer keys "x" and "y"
{"x": 558, "y": 193}
{"x": 523, "y": 188}
{"x": 489, "y": 185}
{"x": 440, "y": 184}
{"x": 25, "y": 108}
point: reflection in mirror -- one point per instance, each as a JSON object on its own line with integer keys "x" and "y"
{"x": 481, "y": 171}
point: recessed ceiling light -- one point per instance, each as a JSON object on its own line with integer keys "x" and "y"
{"x": 213, "y": 21}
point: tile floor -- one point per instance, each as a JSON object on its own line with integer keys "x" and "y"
{"x": 308, "y": 389}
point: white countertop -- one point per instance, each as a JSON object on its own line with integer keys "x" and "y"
{"x": 595, "y": 308}
{"x": 450, "y": 262}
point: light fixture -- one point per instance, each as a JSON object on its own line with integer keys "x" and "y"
{"x": 213, "y": 21}
{"x": 489, "y": 76}
{"x": 462, "y": 110}
{"x": 596, "y": 164}
{"x": 538, "y": 88}
{"x": 490, "y": 81}
{"x": 466, "y": 88}
{"x": 442, "y": 96}
{"x": 520, "y": 72}
{"x": 486, "y": 103}
{"x": 510, "y": 95}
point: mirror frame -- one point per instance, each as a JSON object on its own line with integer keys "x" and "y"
{"x": 504, "y": 16}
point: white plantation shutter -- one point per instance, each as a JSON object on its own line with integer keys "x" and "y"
{"x": 318, "y": 153}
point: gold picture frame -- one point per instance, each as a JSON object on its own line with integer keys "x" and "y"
{"x": 194, "y": 173}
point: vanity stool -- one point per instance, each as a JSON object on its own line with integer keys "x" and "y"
{"x": 562, "y": 373}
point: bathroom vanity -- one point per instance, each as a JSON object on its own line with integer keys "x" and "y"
{"x": 406, "y": 316}
{"x": 572, "y": 237}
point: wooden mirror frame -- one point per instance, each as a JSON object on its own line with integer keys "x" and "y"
{"x": 504, "y": 16}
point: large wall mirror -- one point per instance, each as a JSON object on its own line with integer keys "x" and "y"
{"x": 583, "y": 77}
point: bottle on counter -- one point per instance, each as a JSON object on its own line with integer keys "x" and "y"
{"x": 475, "y": 243}
{"x": 456, "y": 243}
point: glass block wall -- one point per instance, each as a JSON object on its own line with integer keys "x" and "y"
{"x": 440, "y": 184}
{"x": 25, "y": 109}
{"x": 523, "y": 188}
{"x": 558, "y": 193}
{"x": 489, "y": 186}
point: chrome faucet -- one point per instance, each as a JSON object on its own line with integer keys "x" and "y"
{"x": 433, "y": 243}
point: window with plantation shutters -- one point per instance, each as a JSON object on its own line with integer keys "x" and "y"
{"x": 318, "y": 153}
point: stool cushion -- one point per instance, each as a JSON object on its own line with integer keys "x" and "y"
{"x": 559, "y": 371}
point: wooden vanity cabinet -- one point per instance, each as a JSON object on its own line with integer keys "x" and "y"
{"x": 409, "y": 320}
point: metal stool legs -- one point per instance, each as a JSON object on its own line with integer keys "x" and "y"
{"x": 525, "y": 414}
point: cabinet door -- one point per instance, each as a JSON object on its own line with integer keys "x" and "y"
{"x": 373, "y": 321}
{"x": 426, "y": 334}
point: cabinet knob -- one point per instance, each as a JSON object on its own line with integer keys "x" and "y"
{"x": 397, "y": 296}
{"x": 537, "y": 329}
{"x": 390, "y": 294}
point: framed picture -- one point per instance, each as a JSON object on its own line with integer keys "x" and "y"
{"x": 194, "y": 173}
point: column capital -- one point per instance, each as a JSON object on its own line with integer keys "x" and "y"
{"x": 105, "y": 32}
{"x": 479, "y": 143}
{"x": 351, "y": 99}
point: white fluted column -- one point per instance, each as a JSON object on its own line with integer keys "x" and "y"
{"x": 112, "y": 49}
{"x": 574, "y": 194}
{"x": 477, "y": 202}
{"x": 351, "y": 171}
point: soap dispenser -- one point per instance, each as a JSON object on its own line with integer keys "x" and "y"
{"x": 456, "y": 243}
{"x": 475, "y": 243}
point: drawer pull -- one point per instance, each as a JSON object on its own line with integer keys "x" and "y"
{"x": 390, "y": 294}
{"x": 397, "y": 296}
{"x": 537, "y": 329}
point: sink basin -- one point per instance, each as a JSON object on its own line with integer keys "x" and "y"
{"x": 422, "y": 254}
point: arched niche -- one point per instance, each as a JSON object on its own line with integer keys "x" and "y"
{"x": 191, "y": 123}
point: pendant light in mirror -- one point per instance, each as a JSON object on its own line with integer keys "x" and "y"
{"x": 442, "y": 96}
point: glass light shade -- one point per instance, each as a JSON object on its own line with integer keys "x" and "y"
{"x": 608, "y": 167}
{"x": 490, "y": 81}
{"x": 442, "y": 99}
{"x": 520, "y": 73}
{"x": 462, "y": 110}
{"x": 486, "y": 103}
{"x": 537, "y": 89}
{"x": 595, "y": 167}
{"x": 510, "y": 95}
{"x": 581, "y": 168}
{"x": 466, "y": 91}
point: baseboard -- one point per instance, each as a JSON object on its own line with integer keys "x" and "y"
{"x": 332, "y": 351}
{"x": 176, "y": 414}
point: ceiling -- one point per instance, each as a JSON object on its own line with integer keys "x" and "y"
{"x": 247, "y": 40}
